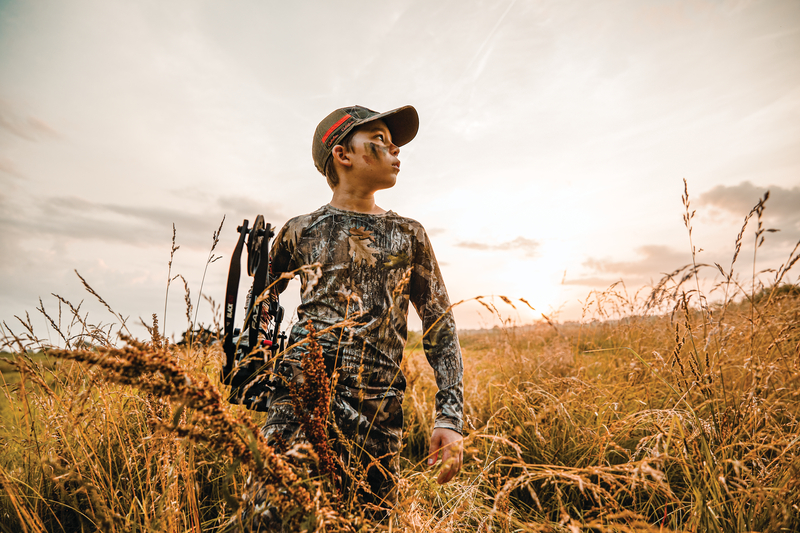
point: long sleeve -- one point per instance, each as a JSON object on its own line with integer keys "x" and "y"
{"x": 440, "y": 341}
{"x": 281, "y": 255}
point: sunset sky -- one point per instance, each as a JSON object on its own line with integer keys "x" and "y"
{"x": 554, "y": 139}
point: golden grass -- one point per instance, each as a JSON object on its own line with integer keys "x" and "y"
{"x": 665, "y": 412}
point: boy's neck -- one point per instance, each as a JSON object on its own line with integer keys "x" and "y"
{"x": 352, "y": 201}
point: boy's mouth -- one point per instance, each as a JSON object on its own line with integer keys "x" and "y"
{"x": 396, "y": 165}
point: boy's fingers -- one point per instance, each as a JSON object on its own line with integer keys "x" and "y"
{"x": 448, "y": 462}
{"x": 433, "y": 457}
{"x": 433, "y": 453}
{"x": 447, "y": 457}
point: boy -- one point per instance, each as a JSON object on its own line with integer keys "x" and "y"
{"x": 373, "y": 262}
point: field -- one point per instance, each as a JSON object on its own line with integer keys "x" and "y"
{"x": 676, "y": 410}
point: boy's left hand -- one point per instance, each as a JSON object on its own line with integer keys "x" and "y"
{"x": 449, "y": 443}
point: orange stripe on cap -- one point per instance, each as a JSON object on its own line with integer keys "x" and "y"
{"x": 332, "y": 128}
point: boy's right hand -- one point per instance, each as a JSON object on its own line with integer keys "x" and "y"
{"x": 449, "y": 442}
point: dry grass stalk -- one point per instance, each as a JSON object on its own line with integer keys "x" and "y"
{"x": 311, "y": 400}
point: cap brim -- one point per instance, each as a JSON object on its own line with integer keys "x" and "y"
{"x": 403, "y": 123}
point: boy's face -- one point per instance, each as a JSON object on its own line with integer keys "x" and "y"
{"x": 374, "y": 158}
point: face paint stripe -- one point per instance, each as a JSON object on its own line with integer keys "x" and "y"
{"x": 371, "y": 148}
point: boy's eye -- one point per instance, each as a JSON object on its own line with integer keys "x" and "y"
{"x": 380, "y": 136}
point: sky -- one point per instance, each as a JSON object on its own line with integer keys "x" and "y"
{"x": 554, "y": 140}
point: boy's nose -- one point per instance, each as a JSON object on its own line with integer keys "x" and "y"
{"x": 394, "y": 150}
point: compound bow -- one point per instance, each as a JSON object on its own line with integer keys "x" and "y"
{"x": 248, "y": 353}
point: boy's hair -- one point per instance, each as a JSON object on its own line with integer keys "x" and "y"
{"x": 330, "y": 168}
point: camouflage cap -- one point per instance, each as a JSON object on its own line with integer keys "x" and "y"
{"x": 402, "y": 122}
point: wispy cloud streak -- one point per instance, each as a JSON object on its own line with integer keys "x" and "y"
{"x": 528, "y": 246}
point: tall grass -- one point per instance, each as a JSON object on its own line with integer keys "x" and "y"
{"x": 675, "y": 410}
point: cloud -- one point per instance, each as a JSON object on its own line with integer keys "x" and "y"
{"x": 530, "y": 247}
{"x": 654, "y": 259}
{"x": 236, "y": 207}
{"x": 7, "y": 166}
{"x": 24, "y": 126}
{"x": 21, "y": 126}
{"x": 781, "y": 211}
{"x": 78, "y": 219}
{"x": 591, "y": 281}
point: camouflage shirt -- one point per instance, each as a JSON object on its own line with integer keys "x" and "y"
{"x": 371, "y": 266}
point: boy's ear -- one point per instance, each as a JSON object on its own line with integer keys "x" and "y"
{"x": 341, "y": 155}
